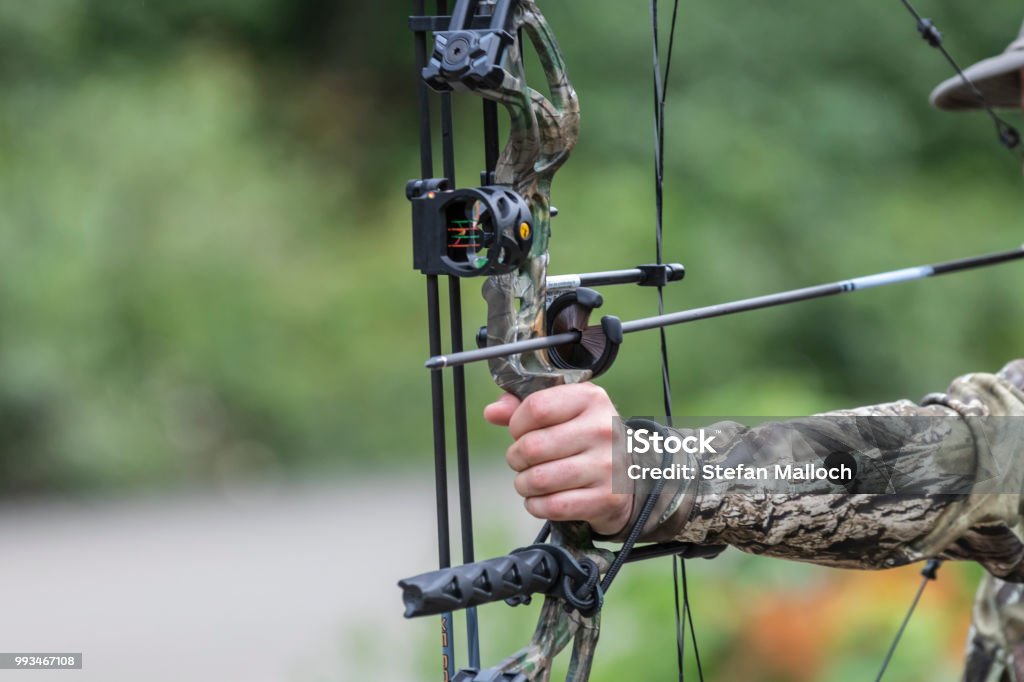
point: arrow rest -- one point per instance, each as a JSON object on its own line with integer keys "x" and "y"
{"x": 598, "y": 345}
{"x": 570, "y": 312}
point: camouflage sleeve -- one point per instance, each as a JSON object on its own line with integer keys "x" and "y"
{"x": 873, "y": 531}
{"x": 978, "y": 442}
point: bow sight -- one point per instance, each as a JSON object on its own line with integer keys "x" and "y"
{"x": 468, "y": 232}
{"x": 486, "y": 231}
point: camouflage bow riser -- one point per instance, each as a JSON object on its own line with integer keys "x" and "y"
{"x": 542, "y": 134}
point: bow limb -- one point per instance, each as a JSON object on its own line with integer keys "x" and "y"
{"x": 556, "y": 627}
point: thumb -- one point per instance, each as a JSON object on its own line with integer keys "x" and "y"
{"x": 500, "y": 411}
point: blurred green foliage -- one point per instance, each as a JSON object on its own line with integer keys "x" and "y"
{"x": 206, "y": 250}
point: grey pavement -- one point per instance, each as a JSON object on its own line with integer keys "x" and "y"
{"x": 265, "y": 582}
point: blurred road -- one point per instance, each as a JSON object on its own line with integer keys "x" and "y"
{"x": 266, "y": 583}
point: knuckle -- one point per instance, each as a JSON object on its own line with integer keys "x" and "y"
{"x": 537, "y": 406}
{"x": 535, "y": 507}
{"x": 568, "y": 470}
{"x": 512, "y": 458}
{"x": 532, "y": 449}
{"x": 594, "y": 391}
{"x": 540, "y": 478}
{"x": 559, "y": 509}
{"x": 604, "y": 429}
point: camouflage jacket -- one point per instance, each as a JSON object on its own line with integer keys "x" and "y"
{"x": 953, "y": 489}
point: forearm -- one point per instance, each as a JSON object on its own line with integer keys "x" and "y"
{"x": 879, "y": 530}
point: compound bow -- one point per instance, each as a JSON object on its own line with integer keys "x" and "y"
{"x": 537, "y": 332}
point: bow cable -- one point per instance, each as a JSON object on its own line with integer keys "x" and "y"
{"x": 683, "y": 612}
{"x": 1007, "y": 134}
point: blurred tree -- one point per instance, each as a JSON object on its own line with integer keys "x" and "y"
{"x": 205, "y": 245}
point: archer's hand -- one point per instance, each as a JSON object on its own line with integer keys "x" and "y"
{"x": 563, "y": 454}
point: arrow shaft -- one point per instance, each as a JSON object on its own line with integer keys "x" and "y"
{"x": 837, "y": 288}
